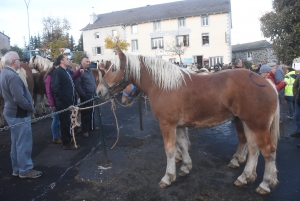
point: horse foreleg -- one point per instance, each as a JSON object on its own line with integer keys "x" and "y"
{"x": 183, "y": 143}
{"x": 249, "y": 173}
{"x": 43, "y": 103}
{"x": 241, "y": 152}
{"x": 169, "y": 136}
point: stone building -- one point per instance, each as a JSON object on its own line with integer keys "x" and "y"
{"x": 4, "y": 42}
{"x": 254, "y": 52}
{"x": 203, "y": 27}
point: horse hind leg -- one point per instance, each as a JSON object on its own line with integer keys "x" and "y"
{"x": 169, "y": 137}
{"x": 183, "y": 143}
{"x": 178, "y": 156}
{"x": 249, "y": 173}
{"x": 241, "y": 152}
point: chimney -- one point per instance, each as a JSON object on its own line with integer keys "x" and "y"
{"x": 93, "y": 18}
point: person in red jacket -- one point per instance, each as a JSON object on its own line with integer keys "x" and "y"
{"x": 269, "y": 73}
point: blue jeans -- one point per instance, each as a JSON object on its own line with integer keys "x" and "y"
{"x": 297, "y": 117}
{"x": 21, "y": 145}
{"x": 290, "y": 101}
{"x": 55, "y": 125}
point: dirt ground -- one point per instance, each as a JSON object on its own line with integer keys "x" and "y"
{"x": 138, "y": 162}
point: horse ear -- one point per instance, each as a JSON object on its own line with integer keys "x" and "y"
{"x": 119, "y": 52}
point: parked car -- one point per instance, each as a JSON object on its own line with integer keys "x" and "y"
{"x": 26, "y": 54}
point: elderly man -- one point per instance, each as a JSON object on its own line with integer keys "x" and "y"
{"x": 86, "y": 88}
{"x": 18, "y": 108}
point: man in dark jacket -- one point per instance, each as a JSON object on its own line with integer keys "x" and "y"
{"x": 63, "y": 89}
{"x": 86, "y": 88}
{"x": 17, "y": 109}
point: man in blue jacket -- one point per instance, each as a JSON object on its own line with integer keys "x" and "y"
{"x": 18, "y": 108}
{"x": 86, "y": 88}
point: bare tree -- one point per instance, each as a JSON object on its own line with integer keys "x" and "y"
{"x": 176, "y": 48}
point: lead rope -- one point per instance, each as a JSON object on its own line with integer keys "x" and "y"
{"x": 75, "y": 123}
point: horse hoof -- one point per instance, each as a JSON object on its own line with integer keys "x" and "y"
{"x": 162, "y": 185}
{"x": 233, "y": 165}
{"x": 177, "y": 160}
{"x": 182, "y": 173}
{"x": 261, "y": 191}
{"x": 239, "y": 184}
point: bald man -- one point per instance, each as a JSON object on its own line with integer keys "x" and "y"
{"x": 18, "y": 108}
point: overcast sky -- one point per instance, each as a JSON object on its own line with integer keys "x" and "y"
{"x": 13, "y": 18}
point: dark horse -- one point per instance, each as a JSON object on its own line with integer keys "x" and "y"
{"x": 178, "y": 100}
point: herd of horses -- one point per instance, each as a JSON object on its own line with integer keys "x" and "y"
{"x": 180, "y": 99}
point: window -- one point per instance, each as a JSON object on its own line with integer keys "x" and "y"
{"x": 97, "y": 51}
{"x": 114, "y": 33}
{"x": 181, "y": 22}
{"x": 156, "y": 26}
{"x": 249, "y": 55}
{"x": 205, "y": 39}
{"x": 172, "y": 60}
{"x": 134, "y": 29}
{"x": 134, "y": 45}
{"x": 97, "y": 35}
{"x": 157, "y": 43}
{"x": 205, "y": 21}
{"x": 182, "y": 40}
{"x": 215, "y": 60}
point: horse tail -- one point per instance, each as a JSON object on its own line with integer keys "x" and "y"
{"x": 274, "y": 130}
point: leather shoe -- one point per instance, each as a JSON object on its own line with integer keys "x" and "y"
{"x": 86, "y": 135}
{"x": 295, "y": 134}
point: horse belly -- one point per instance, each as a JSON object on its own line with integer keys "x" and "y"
{"x": 204, "y": 121}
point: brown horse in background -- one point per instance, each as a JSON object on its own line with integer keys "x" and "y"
{"x": 26, "y": 76}
{"x": 177, "y": 100}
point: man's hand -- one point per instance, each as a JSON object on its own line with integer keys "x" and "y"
{"x": 81, "y": 71}
{"x": 53, "y": 108}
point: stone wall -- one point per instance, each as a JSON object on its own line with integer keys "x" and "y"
{"x": 265, "y": 55}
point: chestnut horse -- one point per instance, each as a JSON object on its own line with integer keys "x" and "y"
{"x": 177, "y": 100}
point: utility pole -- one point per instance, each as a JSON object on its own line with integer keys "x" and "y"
{"x": 27, "y": 5}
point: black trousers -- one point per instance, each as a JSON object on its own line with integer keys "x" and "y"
{"x": 87, "y": 116}
{"x": 65, "y": 125}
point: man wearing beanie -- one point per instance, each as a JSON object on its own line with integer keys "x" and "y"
{"x": 267, "y": 72}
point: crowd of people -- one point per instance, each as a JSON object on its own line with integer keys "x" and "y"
{"x": 61, "y": 87}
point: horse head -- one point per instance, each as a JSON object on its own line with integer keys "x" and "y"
{"x": 32, "y": 64}
{"x": 129, "y": 94}
{"x": 115, "y": 78}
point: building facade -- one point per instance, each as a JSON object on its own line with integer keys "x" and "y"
{"x": 4, "y": 42}
{"x": 255, "y": 52}
{"x": 199, "y": 29}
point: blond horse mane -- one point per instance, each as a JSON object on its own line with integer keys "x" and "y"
{"x": 42, "y": 62}
{"x": 164, "y": 74}
{"x": 23, "y": 76}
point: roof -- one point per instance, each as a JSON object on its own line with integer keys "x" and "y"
{"x": 161, "y": 12}
{"x": 251, "y": 46}
{"x": 4, "y": 35}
